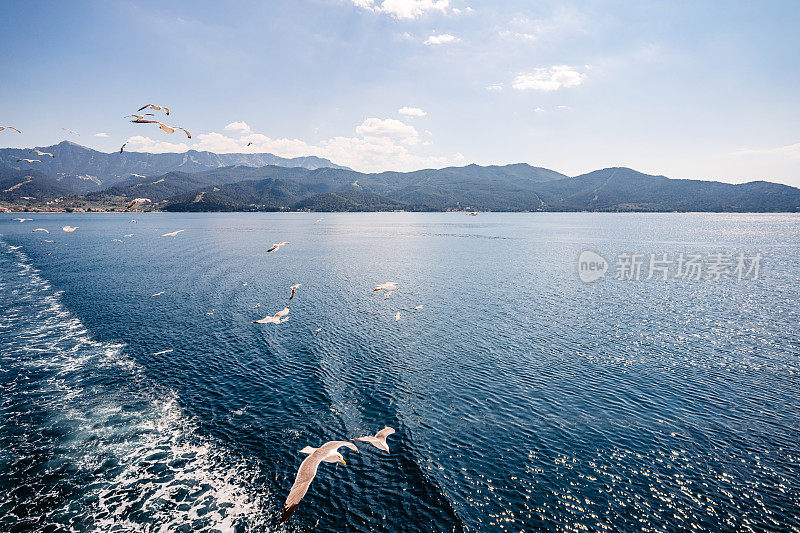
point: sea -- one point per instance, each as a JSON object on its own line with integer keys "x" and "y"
{"x": 565, "y": 371}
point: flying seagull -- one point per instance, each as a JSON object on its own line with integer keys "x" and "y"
{"x": 131, "y": 235}
{"x": 69, "y": 229}
{"x": 164, "y": 351}
{"x": 116, "y": 240}
{"x": 472, "y": 214}
{"x": 159, "y": 293}
{"x": 294, "y": 288}
{"x": 173, "y": 234}
{"x": 248, "y": 144}
{"x": 417, "y": 308}
{"x": 29, "y": 160}
{"x": 388, "y": 286}
{"x": 189, "y": 135}
{"x": 154, "y": 108}
{"x": 122, "y": 148}
{"x": 9, "y": 128}
{"x": 39, "y": 152}
{"x": 379, "y": 440}
{"x": 397, "y": 316}
{"x": 277, "y": 318}
{"x": 138, "y": 201}
{"x": 328, "y": 452}
{"x": 40, "y": 229}
{"x": 70, "y": 131}
{"x": 21, "y": 220}
{"x": 278, "y": 245}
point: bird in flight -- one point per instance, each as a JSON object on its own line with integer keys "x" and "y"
{"x": 40, "y": 153}
{"x": 29, "y": 160}
{"x": 277, "y": 245}
{"x": 397, "y": 316}
{"x": 21, "y": 220}
{"x": 70, "y": 131}
{"x": 128, "y": 235}
{"x": 472, "y": 214}
{"x": 417, "y": 308}
{"x": 329, "y": 453}
{"x": 116, "y": 240}
{"x": 9, "y": 128}
{"x": 159, "y": 293}
{"x": 294, "y": 288}
{"x": 40, "y": 229}
{"x": 189, "y": 135}
{"x": 173, "y": 234}
{"x": 138, "y": 201}
{"x": 248, "y": 144}
{"x": 379, "y": 440}
{"x": 154, "y": 108}
{"x": 389, "y": 286}
{"x": 164, "y": 351}
{"x": 122, "y": 148}
{"x": 69, "y": 229}
{"x": 278, "y": 318}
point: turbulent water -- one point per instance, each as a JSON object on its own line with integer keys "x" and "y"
{"x": 523, "y": 398}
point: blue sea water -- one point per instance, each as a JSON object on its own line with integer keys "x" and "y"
{"x": 523, "y": 398}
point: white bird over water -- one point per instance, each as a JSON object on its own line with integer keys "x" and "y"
{"x": 159, "y": 293}
{"x": 21, "y": 220}
{"x": 417, "y": 308}
{"x": 278, "y": 245}
{"x": 278, "y": 318}
{"x": 164, "y": 351}
{"x": 173, "y": 234}
{"x": 397, "y": 316}
{"x": 69, "y": 229}
{"x": 379, "y": 440}
{"x": 329, "y": 453}
{"x": 388, "y": 286}
{"x": 40, "y": 229}
{"x": 294, "y": 288}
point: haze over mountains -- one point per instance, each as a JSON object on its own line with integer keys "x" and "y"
{"x": 203, "y": 181}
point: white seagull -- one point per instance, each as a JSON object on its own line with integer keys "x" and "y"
{"x": 173, "y": 234}
{"x": 379, "y": 440}
{"x": 388, "y": 286}
{"x": 40, "y": 229}
{"x": 294, "y": 288}
{"x": 158, "y": 293}
{"x": 164, "y": 351}
{"x": 21, "y": 220}
{"x": 277, "y": 245}
{"x": 278, "y": 318}
{"x": 69, "y": 229}
{"x": 329, "y": 453}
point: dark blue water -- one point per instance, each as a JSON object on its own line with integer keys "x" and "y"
{"x": 523, "y": 398}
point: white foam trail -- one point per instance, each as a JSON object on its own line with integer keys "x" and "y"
{"x": 136, "y": 461}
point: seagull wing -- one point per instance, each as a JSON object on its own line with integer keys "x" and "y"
{"x": 189, "y": 135}
{"x": 273, "y": 248}
{"x": 305, "y": 475}
{"x": 283, "y": 312}
{"x": 165, "y": 127}
{"x": 385, "y": 432}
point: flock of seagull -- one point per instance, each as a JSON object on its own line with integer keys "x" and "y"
{"x": 329, "y": 451}
{"x": 137, "y": 119}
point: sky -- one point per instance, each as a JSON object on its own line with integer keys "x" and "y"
{"x": 695, "y": 89}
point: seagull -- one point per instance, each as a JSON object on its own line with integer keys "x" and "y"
{"x": 21, "y": 220}
{"x": 328, "y": 452}
{"x": 9, "y": 128}
{"x": 277, "y": 318}
{"x": 397, "y": 316}
{"x": 138, "y": 201}
{"x": 388, "y": 286}
{"x": 70, "y": 131}
{"x": 278, "y": 245}
{"x": 387, "y": 295}
{"x": 248, "y": 144}
{"x": 244, "y": 284}
{"x": 317, "y": 330}
{"x": 379, "y": 440}
{"x": 40, "y": 229}
{"x": 116, "y": 240}
{"x": 38, "y": 152}
{"x": 173, "y": 234}
{"x": 29, "y": 160}
{"x": 189, "y": 135}
{"x": 257, "y": 305}
{"x": 122, "y": 148}
{"x": 472, "y": 214}
{"x": 164, "y": 351}
{"x": 14, "y": 247}
{"x": 294, "y": 288}
{"x": 128, "y": 235}
{"x": 417, "y": 308}
{"x": 69, "y": 229}
{"x": 154, "y": 108}
{"x": 159, "y": 293}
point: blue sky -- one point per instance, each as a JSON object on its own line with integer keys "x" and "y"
{"x": 684, "y": 89}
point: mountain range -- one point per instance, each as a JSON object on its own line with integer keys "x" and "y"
{"x": 84, "y": 170}
{"x": 200, "y": 181}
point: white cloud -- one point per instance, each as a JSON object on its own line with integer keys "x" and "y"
{"x": 404, "y": 9}
{"x": 561, "y": 24}
{"x": 443, "y": 38}
{"x": 412, "y": 111}
{"x": 792, "y": 150}
{"x": 241, "y": 127}
{"x": 138, "y": 143}
{"x": 495, "y": 87}
{"x": 388, "y": 128}
{"x": 539, "y": 110}
{"x": 102, "y": 134}
{"x": 548, "y": 79}
{"x": 563, "y": 107}
{"x": 378, "y": 144}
